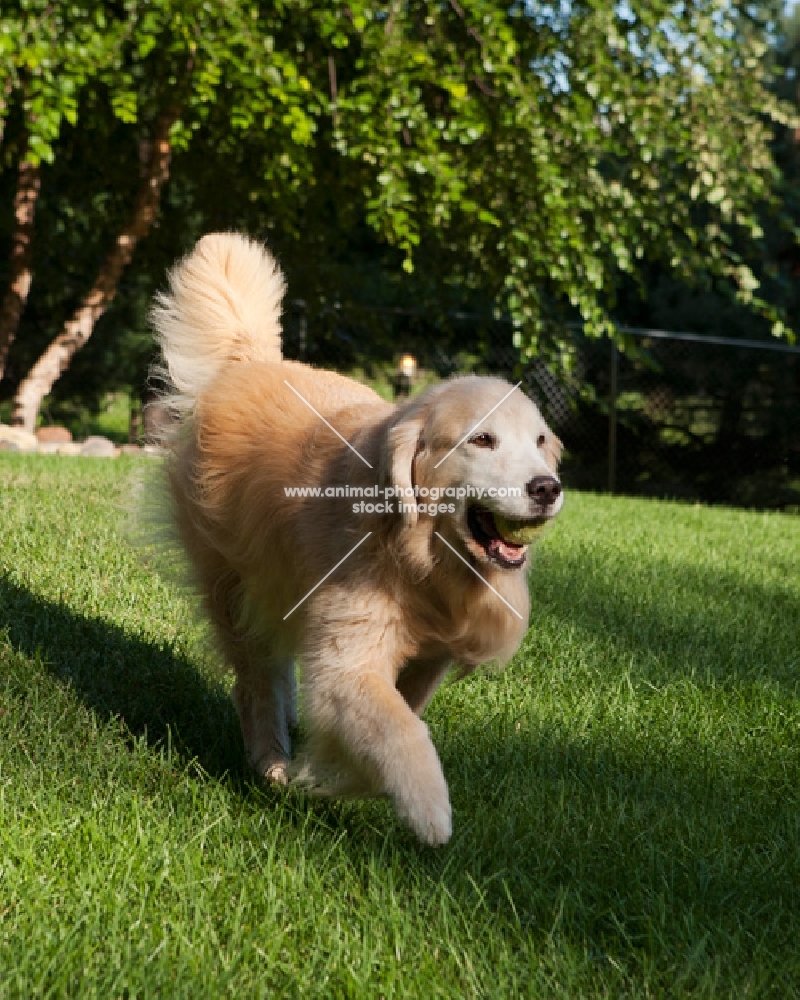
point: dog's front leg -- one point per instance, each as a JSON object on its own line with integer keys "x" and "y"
{"x": 351, "y": 662}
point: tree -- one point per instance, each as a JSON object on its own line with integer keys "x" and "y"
{"x": 48, "y": 52}
{"x": 177, "y": 57}
{"x": 155, "y": 157}
{"x": 541, "y": 155}
{"x": 564, "y": 146}
{"x": 16, "y": 295}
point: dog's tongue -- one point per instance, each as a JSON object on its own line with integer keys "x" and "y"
{"x": 497, "y": 546}
{"x": 506, "y": 551}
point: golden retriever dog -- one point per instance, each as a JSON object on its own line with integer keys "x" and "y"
{"x": 377, "y": 604}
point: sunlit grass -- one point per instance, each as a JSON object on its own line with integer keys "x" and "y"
{"x": 625, "y": 793}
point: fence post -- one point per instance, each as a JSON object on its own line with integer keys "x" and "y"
{"x": 612, "y": 421}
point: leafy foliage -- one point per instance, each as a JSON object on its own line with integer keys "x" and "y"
{"x": 48, "y": 53}
{"x": 536, "y": 157}
{"x": 573, "y": 141}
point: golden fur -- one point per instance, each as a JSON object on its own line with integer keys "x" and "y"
{"x": 377, "y": 637}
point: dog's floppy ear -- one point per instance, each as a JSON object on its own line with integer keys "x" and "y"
{"x": 403, "y": 442}
{"x": 552, "y": 448}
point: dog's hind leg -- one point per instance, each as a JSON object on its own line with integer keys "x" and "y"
{"x": 264, "y": 693}
{"x": 265, "y": 699}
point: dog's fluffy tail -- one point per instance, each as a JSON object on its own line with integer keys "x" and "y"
{"x": 223, "y": 305}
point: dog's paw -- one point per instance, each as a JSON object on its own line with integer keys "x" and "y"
{"x": 429, "y": 816}
{"x": 420, "y": 792}
{"x": 275, "y": 773}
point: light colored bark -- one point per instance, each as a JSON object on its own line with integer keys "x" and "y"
{"x": 21, "y": 274}
{"x": 155, "y": 154}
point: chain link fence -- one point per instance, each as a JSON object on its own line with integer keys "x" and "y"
{"x": 674, "y": 415}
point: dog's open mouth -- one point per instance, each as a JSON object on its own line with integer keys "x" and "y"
{"x": 504, "y": 541}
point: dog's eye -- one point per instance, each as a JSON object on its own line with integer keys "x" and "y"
{"x": 482, "y": 441}
{"x": 540, "y": 441}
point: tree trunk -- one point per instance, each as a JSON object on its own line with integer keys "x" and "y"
{"x": 155, "y": 156}
{"x": 13, "y": 305}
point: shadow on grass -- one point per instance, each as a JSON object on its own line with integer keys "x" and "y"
{"x": 616, "y": 820}
{"x": 153, "y": 691}
{"x": 624, "y": 852}
{"x": 698, "y": 622}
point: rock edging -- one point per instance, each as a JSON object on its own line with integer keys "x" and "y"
{"x": 58, "y": 441}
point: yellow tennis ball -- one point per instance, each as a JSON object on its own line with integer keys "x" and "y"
{"x": 518, "y": 532}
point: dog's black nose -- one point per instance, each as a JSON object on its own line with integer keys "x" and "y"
{"x": 544, "y": 489}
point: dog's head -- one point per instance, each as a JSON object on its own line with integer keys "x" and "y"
{"x": 474, "y": 460}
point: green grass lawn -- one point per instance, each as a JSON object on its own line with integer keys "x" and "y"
{"x": 625, "y": 794}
